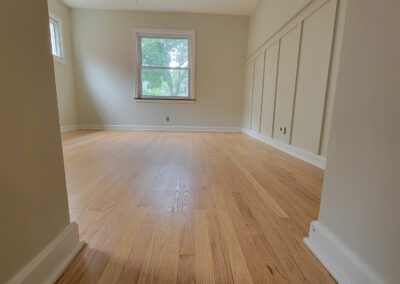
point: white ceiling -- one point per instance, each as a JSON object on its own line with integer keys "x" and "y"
{"x": 229, "y": 7}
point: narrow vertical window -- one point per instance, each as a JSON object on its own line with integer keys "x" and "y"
{"x": 55, "y": 35}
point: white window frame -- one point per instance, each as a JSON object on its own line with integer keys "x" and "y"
{"x": 58, "y": 22}
{"x": 168, "y": 34}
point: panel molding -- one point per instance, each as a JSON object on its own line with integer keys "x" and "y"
{"x": 286, "y": 84}
{"x": 52, "y": 261}
{"x": 304, "y": 13}
{"x": 310, "y": 158}
{"x": 341, "y": 262}
{"x": 298, "y": 133}
{"x": 312, "y": 78}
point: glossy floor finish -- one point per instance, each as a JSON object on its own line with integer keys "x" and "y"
{"x": 158, "y": 207}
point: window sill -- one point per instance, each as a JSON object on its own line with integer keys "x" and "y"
{"x": 166, "y": 101}
{"x": 59, "y": 59}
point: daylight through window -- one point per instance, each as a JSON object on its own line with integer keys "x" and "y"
{"x": 55, "y": 36}
{"x": 165, "y": 65}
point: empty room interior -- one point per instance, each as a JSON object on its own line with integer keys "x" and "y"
{"x": 200, "y": 141}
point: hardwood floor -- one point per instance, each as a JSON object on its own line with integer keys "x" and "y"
{"x": 158, "y": 207}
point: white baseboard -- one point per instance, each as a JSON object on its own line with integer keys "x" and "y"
{"x": 68, "y": 128}
{"x": 51, "y": 262}
{"x": 159, "y": 128}
{"x": 343, "y": 264}
{"x": 311, "y": 158}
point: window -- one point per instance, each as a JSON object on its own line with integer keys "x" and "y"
{"x": 165, "y": 65}
{"x": 55, "y": 36}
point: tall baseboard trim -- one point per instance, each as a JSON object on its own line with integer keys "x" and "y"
{"x": 160, "y": 128}
{"x": 343, "y": 264}
{"x": 51, "y": 262}
{"x": 310, "y": 158}
{"x": 68, "y": 128}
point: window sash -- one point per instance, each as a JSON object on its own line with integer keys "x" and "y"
{"x": 142, "y": 96}
{"x": 165, "y": 35}
{"x": 55, "y": 34}
{"x": 141, "y": 37}
{"x": 168, "y": 68}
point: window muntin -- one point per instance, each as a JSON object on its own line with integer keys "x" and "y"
{"x": 165, "y": 65}
{"x": 55, "y": 36}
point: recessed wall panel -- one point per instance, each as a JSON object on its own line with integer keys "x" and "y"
{"x": 312, "y": 79}
{"x": 257, "y": 92}
{"x": 248, "y": 95}
{"x": 269, "y": 90}
{"x": 286, "y": 84}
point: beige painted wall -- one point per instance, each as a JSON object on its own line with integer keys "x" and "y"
{"x": 268, "y": 17}
{"x": 33, "y": 197}
{"x": 361, "y": 195}
{"x": 105, "y": 65}
{"x": 64, "y": 71}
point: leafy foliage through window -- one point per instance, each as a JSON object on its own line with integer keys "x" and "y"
{"x": 165, "y": 66}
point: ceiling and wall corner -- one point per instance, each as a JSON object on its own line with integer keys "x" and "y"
{"x": 226, "y": 7}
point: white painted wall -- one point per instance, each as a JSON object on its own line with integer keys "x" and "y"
{"x": 361, "y": 195}
{"x": 312, "y": 95}
{"x": 105, "y": 69}
{"x": 64, "y": 71}
{"x": 33, "y": 196}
